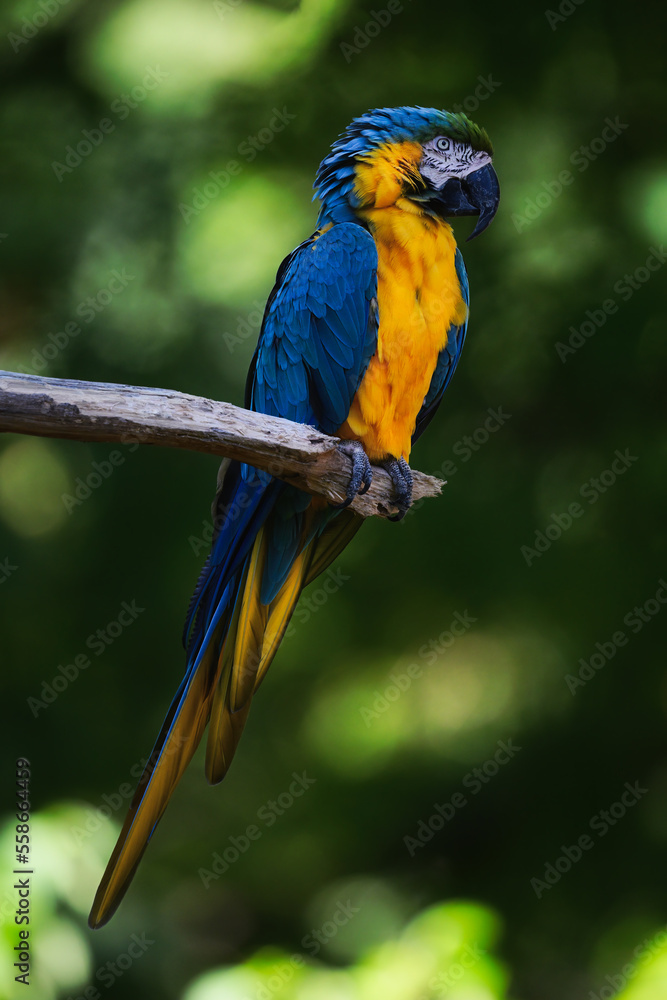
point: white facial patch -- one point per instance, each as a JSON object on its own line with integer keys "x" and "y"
{"x": 443, "y": 159}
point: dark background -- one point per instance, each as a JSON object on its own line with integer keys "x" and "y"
{"x": 560, "y": 254}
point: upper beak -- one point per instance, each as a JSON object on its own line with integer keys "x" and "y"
{"x": 476, "y": 194}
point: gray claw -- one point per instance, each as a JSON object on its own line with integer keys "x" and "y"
{"x": 362, "y": 475}
{"x": 401, "y": 476}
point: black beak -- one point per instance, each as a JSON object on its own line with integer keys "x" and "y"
{"x": 476, "y": 194}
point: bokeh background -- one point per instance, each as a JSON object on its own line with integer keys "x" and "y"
{"x": 143, "y": 258}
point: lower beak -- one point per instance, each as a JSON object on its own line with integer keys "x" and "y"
{"x": 477, "y": 194}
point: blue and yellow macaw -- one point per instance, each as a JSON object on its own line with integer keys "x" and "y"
{"x": 361, "y": 335}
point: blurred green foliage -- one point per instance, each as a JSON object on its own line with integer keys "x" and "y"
{"x": 156, "y": 164}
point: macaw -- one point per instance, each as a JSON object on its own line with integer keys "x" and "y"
{"x": 360, "y": 337}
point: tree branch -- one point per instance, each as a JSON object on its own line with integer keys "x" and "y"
{"x": 100, "y": 411}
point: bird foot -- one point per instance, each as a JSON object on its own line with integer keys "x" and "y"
{"x": 362, "y": 476}
{"x": 401, "y": 477}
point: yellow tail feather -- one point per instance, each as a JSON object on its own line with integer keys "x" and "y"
{"x": 280, "y": 611}
{"x": 154, "y": 791}
{"x": 252, "y": 641}
{"x": 220, "y": 745}
{"x": 250, "y": 631}
{"x": 220, "y": 693}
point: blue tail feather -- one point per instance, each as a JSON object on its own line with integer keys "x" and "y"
{"x": 243, "y": 506}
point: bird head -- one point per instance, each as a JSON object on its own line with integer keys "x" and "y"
{"x": 439, "y": 161}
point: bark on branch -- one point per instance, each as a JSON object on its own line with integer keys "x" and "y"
{"x": 100, "y": 411}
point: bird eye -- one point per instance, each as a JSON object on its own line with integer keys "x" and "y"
{"x": 443, "y": 144}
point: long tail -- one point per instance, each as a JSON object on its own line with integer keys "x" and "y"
{"x": 274, "y": 540}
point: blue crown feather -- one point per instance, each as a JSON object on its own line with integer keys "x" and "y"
{"x": 334, "y": 182}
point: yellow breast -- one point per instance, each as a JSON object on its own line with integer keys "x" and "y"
{"x": 419, "y": 298}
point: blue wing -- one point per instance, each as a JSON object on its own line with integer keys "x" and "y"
{"x": 447, "y": 359}
{"x": 318, "y": 336}
{"x": 319, "y": 331}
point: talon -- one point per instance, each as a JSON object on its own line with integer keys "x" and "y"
{"x": 366, "y": 481}
{"x": 362, "y": 475}
{"x": 401, "y": 477}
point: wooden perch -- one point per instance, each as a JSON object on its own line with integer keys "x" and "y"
{"x": 100, "y": 411}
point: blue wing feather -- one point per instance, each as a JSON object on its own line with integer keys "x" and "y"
{"x": 318, "y": 336}
{"x": 319, "y": 330}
